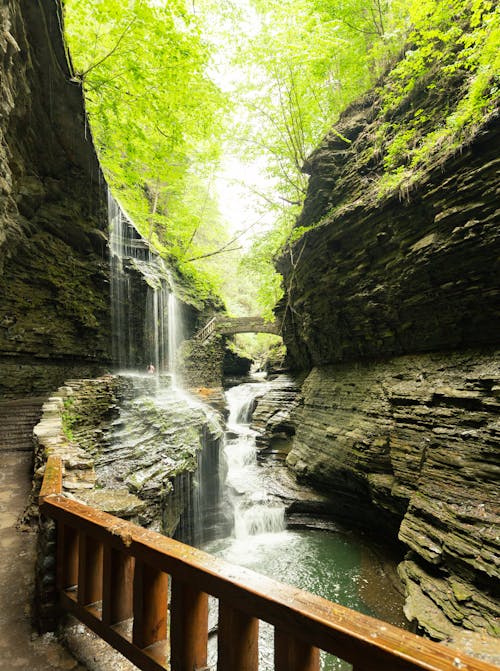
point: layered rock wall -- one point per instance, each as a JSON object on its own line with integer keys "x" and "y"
{"x": 391, "y": 301}
{"x": 387, "y": 277}
{"x": 54, "y": 286}
{"x": 410, "y": 445}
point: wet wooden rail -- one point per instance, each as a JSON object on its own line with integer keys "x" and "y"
{"x": 115, "y": 577}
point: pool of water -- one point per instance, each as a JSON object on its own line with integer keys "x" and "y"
{"x": 320, "y": 562}
{"x": 341, "y": 568}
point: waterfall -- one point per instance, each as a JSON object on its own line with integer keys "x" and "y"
{"x": 255, "y": 512}
{"x": 147, "y": 331}
{"x": 146, "y": 323}
{"x": 174, "y": 336}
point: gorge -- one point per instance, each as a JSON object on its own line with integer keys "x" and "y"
{"x": 392, "y": 304}
{"x": 390, "y": 319}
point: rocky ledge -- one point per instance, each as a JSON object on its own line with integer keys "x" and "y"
{"x": 54, "y": 276}
{"x": 126, "y": 449}
{"x": 409, "y": 448}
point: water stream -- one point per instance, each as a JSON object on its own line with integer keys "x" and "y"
{"x": 168, "y": 441}
{"x": 146, "y": 321}
{"x": 147, "y": 331}
{"x": 255, "y": 512}
{"x": 338, "y": 566}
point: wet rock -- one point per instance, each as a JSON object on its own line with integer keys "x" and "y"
{"x": 118, "y": 502}
{"x": 53, "y": 284}
{"x": 272, "y": 417}
{"x": 201, "y": 363}
{"x": 409, "y": 447}
{"x": 130, "y": 449}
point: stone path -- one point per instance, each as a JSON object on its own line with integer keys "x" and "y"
{"x": 20, "y": 647}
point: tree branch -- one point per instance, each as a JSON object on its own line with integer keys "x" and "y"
{"x": 82, "y": 75}
{"x": 223, "y": 250}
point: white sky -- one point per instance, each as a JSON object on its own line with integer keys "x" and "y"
{"x": 238, "y": 204}
{"x": 237, "y": 180}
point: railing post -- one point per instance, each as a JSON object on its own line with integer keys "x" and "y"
{"x": 150, "y": 605}
{"x": 188, "y": 628}
{"x": 89, "y": 570}
{"x": 291, "y": 654}
{"x": 118, "y": 580}
{"x": 67, "y": 556}
{"x": 237, "y": 640}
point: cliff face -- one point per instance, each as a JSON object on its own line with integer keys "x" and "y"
{"x": 392, "y": 304}
{"x": 54, "y": 288}
{"x": 410, "y": 446}
{"x": 382, "y": 277}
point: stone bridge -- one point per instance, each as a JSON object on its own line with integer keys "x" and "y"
{"x": 232, "y": 325}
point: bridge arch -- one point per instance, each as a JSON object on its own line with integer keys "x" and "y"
{"x": 232, "y": 325}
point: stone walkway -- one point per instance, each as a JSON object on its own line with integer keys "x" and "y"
{"x": 20, "y": 648}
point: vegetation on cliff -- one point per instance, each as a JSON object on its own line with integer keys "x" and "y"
{"x": 172, "y": 87}
{"x": 439, "y": 90}
{"x": 450, "y": 80}
{"x": 155, "y": 115}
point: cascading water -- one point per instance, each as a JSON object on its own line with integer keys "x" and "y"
{"x": 147, "y": 331}
{"x": 146, "y": 322}
{"x": 174, "y": 335}
{"x": 336, "y": 566}
{"x": 255, "y": 512}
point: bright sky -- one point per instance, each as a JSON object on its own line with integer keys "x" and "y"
{"x": 238, "y": 180}
{"x": 238, "y": 203}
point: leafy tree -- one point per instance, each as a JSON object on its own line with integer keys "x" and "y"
{"x": 155, "y": 113}
{"x": 306, "y": 61}
{"x": 315, "y": 56}
{"x": 160, "y": 122}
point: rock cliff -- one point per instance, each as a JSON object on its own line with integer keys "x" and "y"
{"x": 382, "y": 277}
{"x": 54, "y": 295}
{"x": 133, "y": 450}
{"x": 391, "y": 302}
{"x": 55, "y": 312}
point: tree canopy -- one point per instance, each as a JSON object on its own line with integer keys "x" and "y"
{"x": 155, "y": 114}
{"x": 171, "y": 87}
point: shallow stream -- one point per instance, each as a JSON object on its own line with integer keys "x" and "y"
{"x": 342, "y": 567}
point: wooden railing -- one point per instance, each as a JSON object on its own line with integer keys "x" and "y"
{"x": 206, "y": 331}
{"x": 114, "y": 576}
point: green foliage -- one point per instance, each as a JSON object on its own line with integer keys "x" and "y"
{"x": 155, "y": 115}
{"x": 454, "y": 63}
{"x": 316, "y": 57}
{"x": 160, "y": 122}
{"x": 304, "y": 61}
{"x": 69, "y": 418}
{"x": 260, "y": 347}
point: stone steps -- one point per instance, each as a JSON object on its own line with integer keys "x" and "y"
{"x": 17, "y": 419}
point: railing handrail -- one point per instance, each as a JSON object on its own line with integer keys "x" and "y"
{"x": 300, "y": 619}
{"x": 207, "y": 330}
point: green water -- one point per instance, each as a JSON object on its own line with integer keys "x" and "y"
{"x": 339, "y": 567}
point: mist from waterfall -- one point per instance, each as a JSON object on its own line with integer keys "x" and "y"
{"x": 146, "y": 319}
